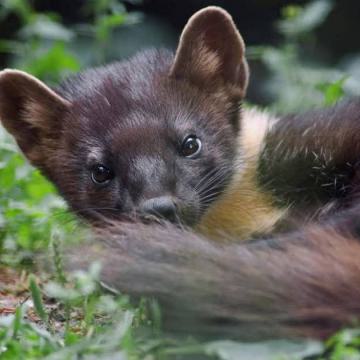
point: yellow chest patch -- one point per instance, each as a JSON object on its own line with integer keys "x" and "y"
{"x": 244, "y": 208}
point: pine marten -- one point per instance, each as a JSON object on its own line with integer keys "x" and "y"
{"x": 261, "y": 232}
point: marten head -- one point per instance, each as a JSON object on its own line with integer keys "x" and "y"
{"x": 152, "y": 135}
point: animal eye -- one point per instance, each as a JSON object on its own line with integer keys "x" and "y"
{"x": 191, "y": 146}
{"x": 100, "y": 174}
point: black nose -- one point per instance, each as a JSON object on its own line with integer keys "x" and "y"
{"x": 162, "y": 206}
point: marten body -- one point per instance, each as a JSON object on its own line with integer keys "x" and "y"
{"x": 164, "y": 135}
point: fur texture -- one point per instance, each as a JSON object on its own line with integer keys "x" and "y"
{"x": 323, "y": 147}
{"x": 300, "y": 284}
{"x": 254, "y": 174}
{"x": 245, "y": 208}
{"x": 133, "y": 117}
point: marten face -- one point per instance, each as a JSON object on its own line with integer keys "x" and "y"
{"x": 135, "y": 141}
{"x": 152, "y": 135}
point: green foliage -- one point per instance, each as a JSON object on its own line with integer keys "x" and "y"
{"x": 36, "y": 296}
{"x": 20, "y": 339}
{"x": 29, "y": 207}
{"x": 333, "y": 92}
{"x": 50, "y": 63}
{"x": 41, "y": 37}
{"x": 297, "y": 79}
{"x": 344, "y": 345}
{"x": 298, "y": 22}
{"x": 94, "y": 324}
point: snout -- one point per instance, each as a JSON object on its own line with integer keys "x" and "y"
{"x": 163, "y": 207}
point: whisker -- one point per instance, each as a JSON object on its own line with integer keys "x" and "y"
{"x": 210, "y": 174}
{"x": 204, "y": 178}
{"x": 218, "y": 180}
{"x": 221, "y": 172}
{"x": 211, "y": 195}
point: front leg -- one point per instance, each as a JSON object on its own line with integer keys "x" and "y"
{"x": 310, "y": 160}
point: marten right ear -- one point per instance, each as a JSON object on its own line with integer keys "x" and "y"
{"x": 31, "y": 112}
{"x": 211, "y": 52}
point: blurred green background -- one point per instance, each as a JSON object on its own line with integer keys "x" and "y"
{"x": 302, "y": 54}
{"x": 292, "y": 45}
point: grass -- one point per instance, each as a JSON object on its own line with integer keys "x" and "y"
{"x": 71, "y": 316}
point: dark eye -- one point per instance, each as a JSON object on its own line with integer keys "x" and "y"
{"x": 191, "y": 146}
{"x": 100, "y": 174}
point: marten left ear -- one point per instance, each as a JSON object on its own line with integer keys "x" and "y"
{"x": 32, "y": 113}
{"x": 211, "y": 52}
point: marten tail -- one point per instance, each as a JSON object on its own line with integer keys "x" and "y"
{"x": 302, "y": 284}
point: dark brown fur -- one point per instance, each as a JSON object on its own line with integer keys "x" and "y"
{"x": 132, "y": 116}
{"x": 312, "y": 157}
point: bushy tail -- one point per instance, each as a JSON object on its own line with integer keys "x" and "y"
{"x": 302, "y": 284}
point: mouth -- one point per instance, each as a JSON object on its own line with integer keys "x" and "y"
{"x": 151, "y": 218}
{"x": 184, "y": 217}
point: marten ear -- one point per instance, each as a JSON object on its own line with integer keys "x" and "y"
{"x": 211, "y": 51}
{"x": 31, "y": 112}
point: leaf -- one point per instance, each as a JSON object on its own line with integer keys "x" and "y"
{"x": 267, "y": 350}
{"x": 36, "y": 296}
{"x": 17, "y": 321}
{"x": 21, "y": 7}
{"x": 59, "y": 292}
{"x": 52, "y": 63}
{"x": 333, "y": 91}
{"x": 44, "y": 27}
{"x": 106, "y": 23}
{"x": 298, "y": 21}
